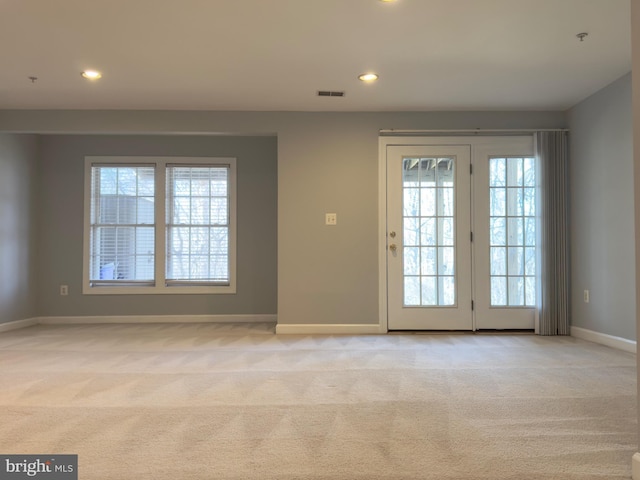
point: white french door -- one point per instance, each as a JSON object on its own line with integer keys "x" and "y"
{"x": 460, "y": 247}
{"x": 429, "y": 245}
{"x": 505, "y": 221}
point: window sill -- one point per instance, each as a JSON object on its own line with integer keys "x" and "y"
{"x": 175, "y": 290}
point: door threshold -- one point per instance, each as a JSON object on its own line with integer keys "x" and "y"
{"x": 512, "y": 331}
{"x": 430, "y": 332}
{"x": 462, "y": 332}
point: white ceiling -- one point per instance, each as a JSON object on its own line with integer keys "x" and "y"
{"x": 276, "y": 54}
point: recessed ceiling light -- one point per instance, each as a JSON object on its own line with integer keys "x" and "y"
{"x": 91, "y": 74}
{"x": 387, "y": 1}
{"x": 368, "y": 77}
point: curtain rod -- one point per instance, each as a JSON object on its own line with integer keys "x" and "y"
{"x": 392, "y": 131}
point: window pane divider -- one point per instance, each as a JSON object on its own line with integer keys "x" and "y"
{"x": 161, "y": 217}
{"x": 123, "y": 225}
{"x": 123, "y": 283}
{"x": 220, "y": 164}
{"x": 124, "y": 164}
{"x": 194, "y": 283}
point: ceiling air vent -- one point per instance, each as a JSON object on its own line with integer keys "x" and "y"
{"x": 329, "y": 93}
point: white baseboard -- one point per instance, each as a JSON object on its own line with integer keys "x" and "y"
{"x": 28, "y": 322}
{"x": 327, "y": 329}
{"x": 291, "y": 329}
{"x": 89, "y": 320}
{"x": 635, "y": 466}
{"x": 604, "y": 339}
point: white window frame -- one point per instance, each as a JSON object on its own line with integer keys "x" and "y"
{"x": 160, "y": 287}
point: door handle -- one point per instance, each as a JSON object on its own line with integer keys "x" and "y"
{"x": 393, "y": 247}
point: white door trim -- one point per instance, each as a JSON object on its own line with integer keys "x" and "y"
{"x": 382, "y": 234}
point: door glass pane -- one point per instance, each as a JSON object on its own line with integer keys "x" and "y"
{"x": 429, "y": 291}
{"x": 516, "y": 233}
{"x": 498, "y": 261}
{"x": 512, "y": 223}
{"x": 530, "y": 231}
{"x": 411, "y": 291}
{"x": 411, "y": 202}
{"x": 445, "y": 231}
{"x": 428, "y": 202}
{"x": 498, "y": 291}
{"x": 497, "y": 202}
{"x": 444, "y": 174}
{"x": 516, "y": 264}
{"x": 497, "y": 231}
{"x": 446, "y": 290}
{"x": 445, "y": 202}
{"x": 530, "y": 291}
{"x": 497, "y": 172}
{"x": 516, "y": 291}
{"x": 446, "y": 262}
{"x": 411, "y": 261}
{"x": 411, "y": 232}
{"x": 529, "y": 172}
{"x": 530, "y": 202}
{"x": 429, "y": 261}
{"x": 515, "y": 204}
{"x": 429, "y": 231}
{"x": 514, "y": 172}
{"x": 530, "y": 261}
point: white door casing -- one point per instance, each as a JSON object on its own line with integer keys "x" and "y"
{"x": 411, "y": 265}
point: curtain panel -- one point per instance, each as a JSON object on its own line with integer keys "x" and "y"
{"x": 553, "y": 294}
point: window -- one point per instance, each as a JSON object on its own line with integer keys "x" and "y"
{"x": 159, "y": 225}
{"x": 512, "y": 190}
{"x": 428, "y": 231}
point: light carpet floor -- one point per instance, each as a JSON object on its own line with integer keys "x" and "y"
{"x": 206, "y": 401}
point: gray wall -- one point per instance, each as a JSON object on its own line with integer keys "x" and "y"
{"x": 602, "y": 211}
{"x": 61, "y": 225}
{"x": 327, "y": 162}
{"x": 18, "y": 154}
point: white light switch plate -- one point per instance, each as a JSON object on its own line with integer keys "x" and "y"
{"x": 331, "y": 219}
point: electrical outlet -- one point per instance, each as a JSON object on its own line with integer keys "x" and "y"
{"x": 586, "y": 296}
{"x": 331, "y": 219}
{"x": 64, "y": 290}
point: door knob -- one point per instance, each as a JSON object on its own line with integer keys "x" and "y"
{"x": 393, "y": 247}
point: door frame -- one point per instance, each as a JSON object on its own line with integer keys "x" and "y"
{"x": 431, "y": 140}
